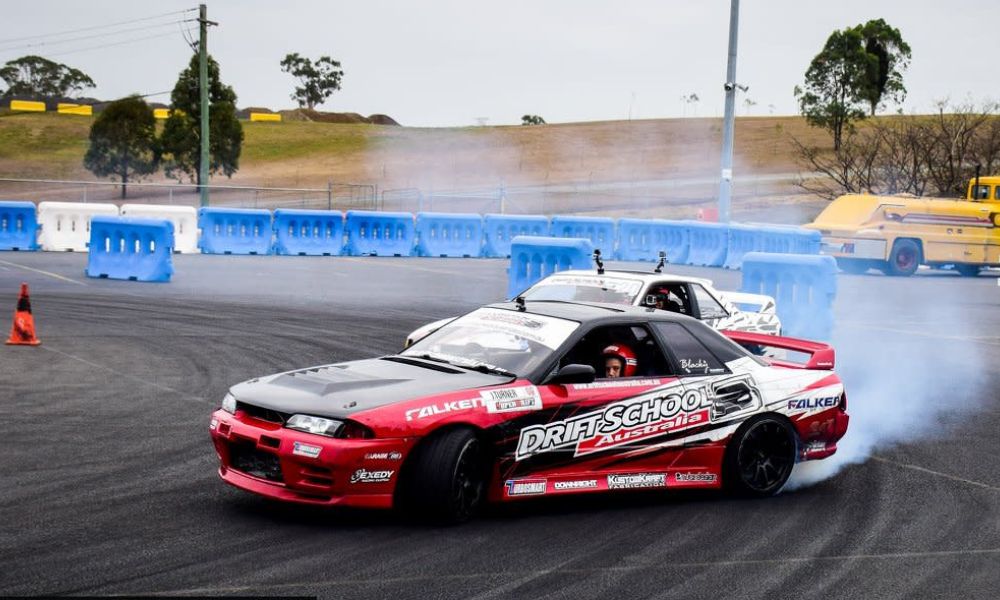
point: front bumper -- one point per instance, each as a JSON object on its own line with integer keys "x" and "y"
{"x": 288, "y": 465}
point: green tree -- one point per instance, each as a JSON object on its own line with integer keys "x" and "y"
{"x": 888, "y": 57}
{"x": 532, "y": 120}
{"x": 38, "y": 77}
{"x": 123, "y": 142}
{"x": 834, "y": 84}
{"x": 181, "y": 137}
{"x": 318, "y": 79}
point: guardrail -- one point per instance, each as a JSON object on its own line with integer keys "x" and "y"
{"x": 371, "y": 233}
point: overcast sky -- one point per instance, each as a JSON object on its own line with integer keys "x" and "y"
{"x": 455, "y": 62}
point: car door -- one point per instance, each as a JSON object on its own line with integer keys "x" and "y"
{"x": 712, "y": 370}
{"x": 585, "y": 427}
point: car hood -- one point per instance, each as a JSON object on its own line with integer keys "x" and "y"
{"x": 342, "y": 389}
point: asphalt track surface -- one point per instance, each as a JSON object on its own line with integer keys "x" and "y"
{"x": 108, "y": 483}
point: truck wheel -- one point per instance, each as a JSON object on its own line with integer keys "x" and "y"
{"x": 853, "y": 266}
{"x": 445, "y": 480}
{"x": 904, "y": 258}
{"x": 968, "y": 270}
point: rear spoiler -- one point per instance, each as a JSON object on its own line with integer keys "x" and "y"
{"x": 821, "y": 356}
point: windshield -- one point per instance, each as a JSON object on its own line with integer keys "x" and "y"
{"x": 586, "y": 288}
{"x": 494, "y": 340}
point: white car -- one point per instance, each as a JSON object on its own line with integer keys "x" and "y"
{"x": 692, "y": 296}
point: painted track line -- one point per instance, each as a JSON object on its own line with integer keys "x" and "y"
{"x": 33, "y": 270}
{"x": 920, "y": 469}
{"x": 535, "y": 573}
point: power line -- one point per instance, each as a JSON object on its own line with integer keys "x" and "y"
{"x": 111, "y": 45}
{"x": 94, "y": 36}
{"x": 94, "y": 27}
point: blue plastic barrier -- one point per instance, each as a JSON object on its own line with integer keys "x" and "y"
{"x": 532, "y": 258}
{"x": 599, "y": 230}
{"x": 789, "y": 240}
{"x": 449, "y": 234}
{"x": 643, "y": 239}
{"x": 18, "y": 226}
{"x": 500, "y": 230}
{"x": 743, "y": 239}
{"x": 371, "y": 233}
{"x": 131, "y": 248}
{"x": 709, "y": 244}
{"x": 803, "y": 285}
{"x": 234, "y": 231}
{"x": 308, "y": 232}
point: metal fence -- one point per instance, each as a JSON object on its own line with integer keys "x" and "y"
{"x": 339, "y": 196}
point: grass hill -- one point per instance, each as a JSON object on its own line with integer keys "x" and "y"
{"x": 665, "y": 167}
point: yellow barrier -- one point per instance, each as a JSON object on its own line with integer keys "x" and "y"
{"x": 161, "y": 113}
{"x": 27, "y": 105}
{"x": 265, "y": 117}
{"x": 84, "y": 110}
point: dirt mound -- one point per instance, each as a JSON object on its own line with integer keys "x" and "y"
{"x": 305, "y": 114}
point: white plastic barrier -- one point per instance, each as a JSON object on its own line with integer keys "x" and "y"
{"x": 66, "y": 225}
{"x": 184, "y": 218}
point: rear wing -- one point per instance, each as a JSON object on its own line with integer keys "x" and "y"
{"x": 821, "y": 356}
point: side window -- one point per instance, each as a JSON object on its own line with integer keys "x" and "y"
{"x": 996, "y": 193}
{"x": 692, "y": 356}
{"x": 707, "y": 305}
{"x": 673, "y": 297}
{"x": 620, "y": 351}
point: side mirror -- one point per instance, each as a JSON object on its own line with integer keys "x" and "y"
{"x": 574, "y": 373}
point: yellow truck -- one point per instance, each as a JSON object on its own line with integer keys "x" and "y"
{"x": 896, "y": 234}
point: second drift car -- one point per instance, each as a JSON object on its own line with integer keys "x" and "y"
{"x": 511, "y": 401}
{"x": 692, "y": 296}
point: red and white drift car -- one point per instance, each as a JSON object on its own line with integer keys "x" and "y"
{"x": 513, "y": 401}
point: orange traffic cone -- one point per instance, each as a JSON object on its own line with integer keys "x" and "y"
{"x": 23, "y": 331}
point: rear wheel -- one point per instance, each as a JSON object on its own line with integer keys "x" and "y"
{"x": 968, "y": 270}
{"x": 445, "y": 480}
{"x": 760, "y": 457}
{"x": 904, "y": 258}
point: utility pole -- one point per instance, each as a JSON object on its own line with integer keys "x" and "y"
{"x": 203, "y": 97}
{"x": 726, "y": 183}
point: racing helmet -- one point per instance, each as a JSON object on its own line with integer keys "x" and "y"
{"x": 624, "y": 354}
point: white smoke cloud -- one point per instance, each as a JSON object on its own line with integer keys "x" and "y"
{"x": 911, "y": 362}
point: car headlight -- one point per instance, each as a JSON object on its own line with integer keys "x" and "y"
{"x": 229, "y": 404}
{"x": 317, "y": 425}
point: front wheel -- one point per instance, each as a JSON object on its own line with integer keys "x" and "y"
{"x": 446, "y": 478}
{"x": 760, "y": 457}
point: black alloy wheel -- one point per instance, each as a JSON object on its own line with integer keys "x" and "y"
{"x": 760, "y": 457}
{"x": 445, "y": 479}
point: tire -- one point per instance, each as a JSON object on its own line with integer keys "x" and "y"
{"x": 968, "y": 270}
{"x": 760, "y": 457}
{"x": 904, "y": 258}
{"x": 853, "y": 266}
{"x": 445, "y": 480}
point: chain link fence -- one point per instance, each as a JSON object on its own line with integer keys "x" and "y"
{"x": 335, "y": 196}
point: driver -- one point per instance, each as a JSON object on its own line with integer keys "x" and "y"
{"x": 619, "y": 361}
{"x": 665, "y": 302}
